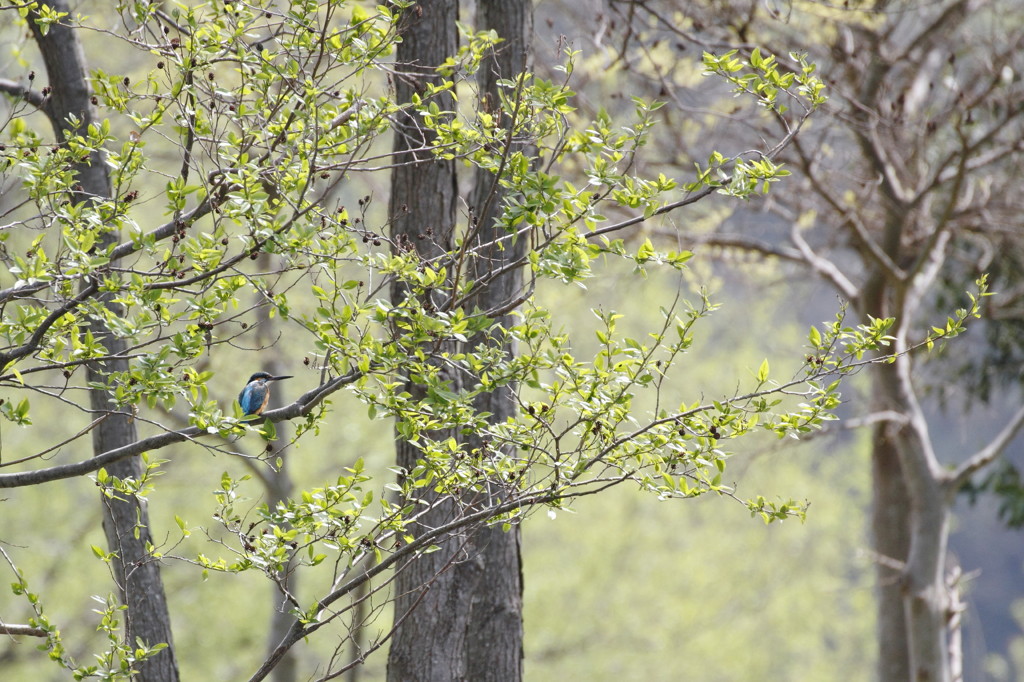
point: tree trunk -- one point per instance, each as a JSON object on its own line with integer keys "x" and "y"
{"x": 926, "y": 601}
{"x": 495, "y": 635}
{"x": 494, "y": 645}
{"x": 910, "y": 519}
{"x": 136, "y": 571}
{"x": 126, "y": 521}
{"x": 431, "y": 606}
{"x": 459, "y": 610}
{"x": 890, "y": 525}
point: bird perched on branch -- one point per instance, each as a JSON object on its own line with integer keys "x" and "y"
{"x": 256, "y": 394}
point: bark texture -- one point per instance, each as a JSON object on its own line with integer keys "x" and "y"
{"x": 431, "y": 607}
{"x": 126, "y": 520}
{"x": 890, "y": 505}
{"x": 495, "y": 636}
{"x": 890, "y": 511}
{"x": 460, "y": 608}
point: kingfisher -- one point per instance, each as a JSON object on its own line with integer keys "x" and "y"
{"x": 256, "y": 394}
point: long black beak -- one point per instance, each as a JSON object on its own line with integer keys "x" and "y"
{"x": 279, "y": 378}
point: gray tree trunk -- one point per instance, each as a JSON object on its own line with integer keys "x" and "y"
{"x": 910, "y": 518}
{"x": 126, "y": 521}
{"x": 432, "y": 606}
{"x": 913, "y": 494}
{"x": 890, "y": 514}
{"x": 891, "y": 525}
{"x": 890, "y": 506}
{"x": 460, "y": 608}
{"x": 494, "y": 646}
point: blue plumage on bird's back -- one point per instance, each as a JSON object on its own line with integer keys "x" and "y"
{"x": 256, "y": 395}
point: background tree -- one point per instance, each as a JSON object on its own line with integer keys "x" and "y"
{"x": 898, "y": 200}
{"x": 433, "y": 605}
{"x": 66, "y": 104}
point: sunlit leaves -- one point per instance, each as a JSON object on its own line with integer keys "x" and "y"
{"x": 16, "y": 412}
{"x": 956, "y": 323}
{"x": 761, "y": 77}
{"x": 45, "y": 16}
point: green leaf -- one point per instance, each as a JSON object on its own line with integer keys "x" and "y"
{"x": 762, "y": 372}
{"x": 815, "y": 337}
{"x": 645, "y": 252}
{"x": 755, "y": 58}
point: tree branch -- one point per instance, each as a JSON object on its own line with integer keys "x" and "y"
{"x": 738, "y": 242}
{"x": 27, "y": 630}
{"x": 19, "y": 91}
{"x": 37, "y": 335}
{"x": 824, "y": 267}
{"x": 300, "y": 408}
{"x": 120, "y": 251}
{"x": 987, "y": 454}
{"x": 860, "y": 232}
{"x": 636, "y": 220}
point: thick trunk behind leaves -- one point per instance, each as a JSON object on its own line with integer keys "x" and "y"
{"x": 126, "y": 521}
{"x": 460, "y": 608}
{"x": 432, "y": 605}
{"x": 926, "y": 595}
{"x": 494, "y": 645}
{"x": 890, "y": 525}
{"x": 910, "y": 517}
{"x": 890, "y": 510}
{"x": 126, "y": 525}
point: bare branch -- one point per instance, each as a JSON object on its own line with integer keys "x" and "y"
{"x": 19, "y": 91}
{"x": 987, "y": 454}
{"x": 636, "y": 220}
{"x": 27, "y": 630}
{"x": 824, "y": 267}
{"x": 860, "y": 232}
{"x": 738, "y": 242}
